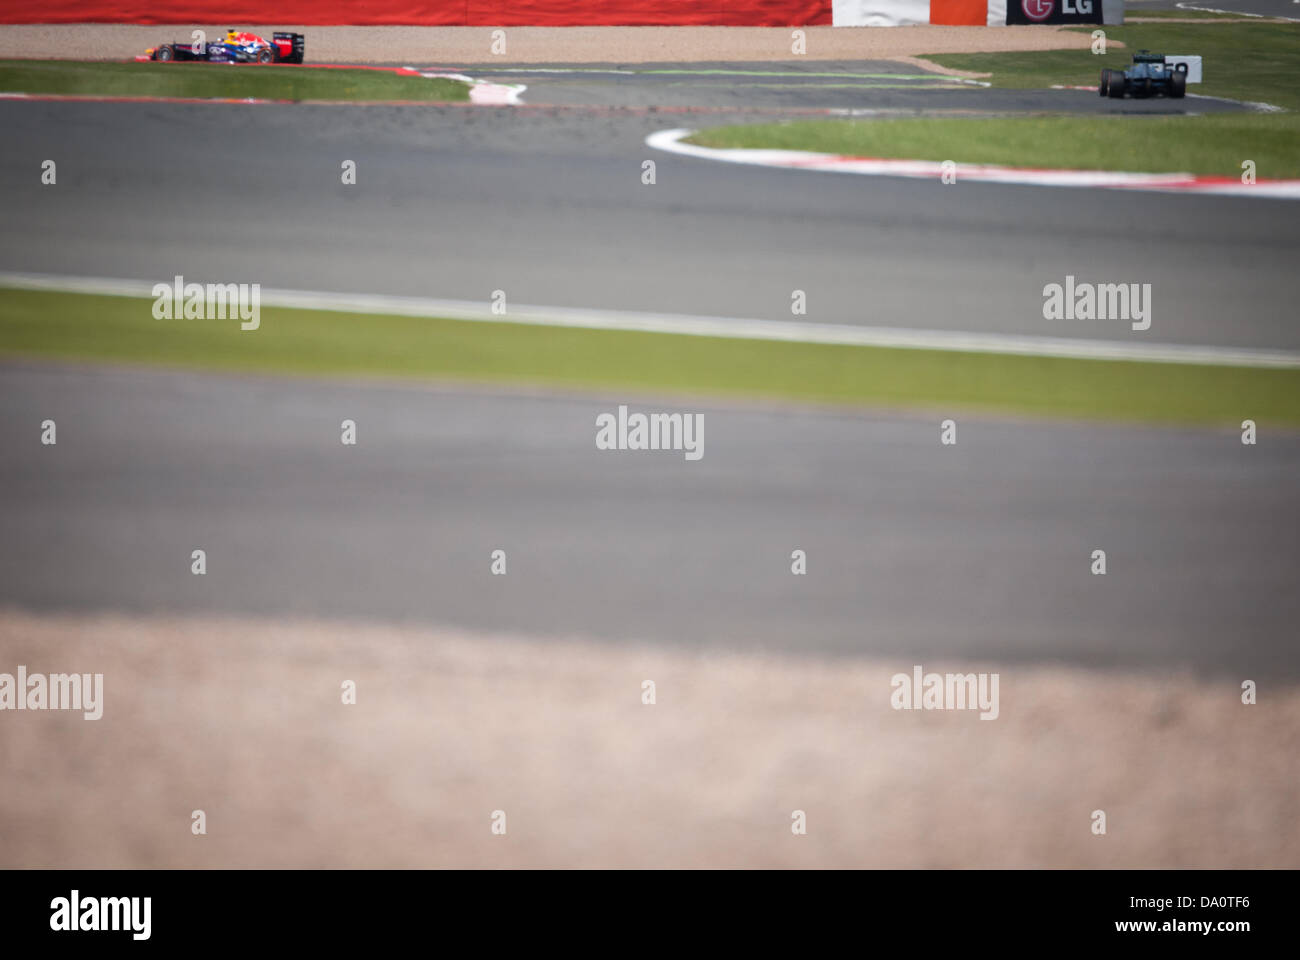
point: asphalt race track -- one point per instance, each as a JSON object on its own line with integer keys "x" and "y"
{"x": 548, "y": 205}
{"x": 979, "y": 551}
{"x": 871, "y": 86}
{"x": 974, "y": 551}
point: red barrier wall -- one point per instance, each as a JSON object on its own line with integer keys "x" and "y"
{"x": 431, "y": 13}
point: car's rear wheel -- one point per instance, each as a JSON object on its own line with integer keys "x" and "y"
{"x": 1118, "y": 82}
{"x": 164, "y": 52}
{"x": 1178, "y": 85}
{"x": 1105, "y": 83}
{"x": 266, "y": 56}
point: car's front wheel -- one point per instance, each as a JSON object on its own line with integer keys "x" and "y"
{"x": 164, "y": 52}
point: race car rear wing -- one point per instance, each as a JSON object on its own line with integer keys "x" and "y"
{"x": 290, "y": 45}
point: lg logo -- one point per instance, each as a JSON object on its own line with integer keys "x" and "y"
{"x": 1040, "y": 10}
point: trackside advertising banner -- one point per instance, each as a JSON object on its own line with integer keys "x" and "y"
{"x": 972, "y": 13}
{"x": 569, "y": 13}
{"x": 1053, "y": 11}
{"x": 428, "y": 13}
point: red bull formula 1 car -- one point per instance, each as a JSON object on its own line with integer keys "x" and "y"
{"x": 235, "y": 47}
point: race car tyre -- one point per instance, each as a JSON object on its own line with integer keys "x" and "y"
{"x": 1115, "y": 90}
{"x": 1105, "y": 82}
{"x": 164, "y": 52}
{"x": 266, "y": 56}
{"x": 1178, "y": 86}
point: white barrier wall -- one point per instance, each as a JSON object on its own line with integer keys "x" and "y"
{"x": 880, "y": 13}
{"x": 993, "y": 13}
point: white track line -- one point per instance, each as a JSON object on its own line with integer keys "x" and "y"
{"x": 1257, "y": 105}
{"x": 483, "y": 91}
{"x": 672, "y": 141}
{"x": 725, "y": 327}
{"x": 1235, "y": 13}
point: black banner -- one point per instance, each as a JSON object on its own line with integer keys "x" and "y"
{"x": 1053, "y": 11}
{"x": 131, "y": 910}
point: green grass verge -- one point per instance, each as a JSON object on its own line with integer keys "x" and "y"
{"x": 1213, "y": 145}
{"x": 1242, "y": 60}
{"x": 119, "y": 329}
{"x": 219, "y": 81}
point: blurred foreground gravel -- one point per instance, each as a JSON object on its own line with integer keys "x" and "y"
{"x": 243, "y": 719}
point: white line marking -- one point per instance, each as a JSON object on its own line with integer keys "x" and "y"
{"x": 1257, "y": 105}
{"x": 1235, "y": 13}
{"x": 672, "y": 142}
{"x": 736, "y": 328}
{"x": 483, "y": 91}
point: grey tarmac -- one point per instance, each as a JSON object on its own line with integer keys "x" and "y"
{"x": 977, "y": 552}
{"x": 548, "y": 205}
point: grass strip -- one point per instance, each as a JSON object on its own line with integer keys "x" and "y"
{"x": 1243, "y": 61}
{"x": 1211, "y": 145}
{"x": 220, "y": 81}
{"x": 320, "y": 343}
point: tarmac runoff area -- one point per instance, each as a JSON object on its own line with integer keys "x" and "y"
{"x": 735, "y": 91}
{"x": 864, "y": 88}
{"x": 978, "y": 551}
{"x": 580, "y": 230}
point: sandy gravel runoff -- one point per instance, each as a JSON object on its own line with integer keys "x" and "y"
{"x": 424, "y": 46}
{"x": 243, "y": 719}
